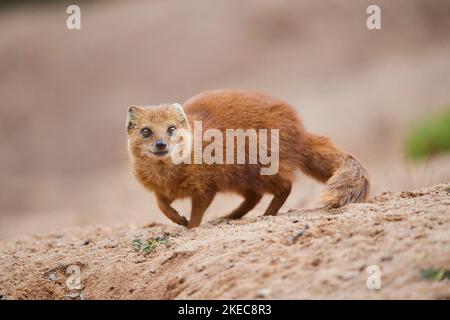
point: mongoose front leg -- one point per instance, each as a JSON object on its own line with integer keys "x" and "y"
{"x": 169, "y": 211}
{"x": 251, "y": 199}
{"x": 277, "y": 201}
{"x": 200, "y": 202}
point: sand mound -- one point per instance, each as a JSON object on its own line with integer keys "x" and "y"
{"x": 300, "y": 254}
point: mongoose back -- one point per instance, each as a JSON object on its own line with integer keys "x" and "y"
{"x": 152, "y": 139}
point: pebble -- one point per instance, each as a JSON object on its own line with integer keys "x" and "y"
{"x": 348, "y": 275}
{"x": 53, "y": 277}
{"x": 200, "y": 268}
{"x": 263, "y": 293}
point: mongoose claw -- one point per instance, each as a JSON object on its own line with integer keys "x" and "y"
{"x": 183, "y": 221}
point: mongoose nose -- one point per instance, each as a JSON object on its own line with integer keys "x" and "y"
{"x": 160, "y": 145}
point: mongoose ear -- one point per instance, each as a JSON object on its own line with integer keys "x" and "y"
{"x": 178, "y": 109}
{"x": 132, "y": 115}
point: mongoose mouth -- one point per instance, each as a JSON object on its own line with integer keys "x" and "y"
{"x": 160, "y": 153}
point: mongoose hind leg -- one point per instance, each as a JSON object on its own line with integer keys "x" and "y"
{"x": 200, "y": 202}
{"x": 251, "y": 199}
{"x": 278, "y": 200}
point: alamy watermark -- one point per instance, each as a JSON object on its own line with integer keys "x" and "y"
{"x": 73, "y": 21}
{"x": 373, "y": 281}
{"x": 73, "y": 282}
{"x": 373, "y": 22}
{"x": 229, "y": 149}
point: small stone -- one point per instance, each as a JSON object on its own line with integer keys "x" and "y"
{"x": 53, "y": 277}
{"x": 263, "y": 293}
{"x": 347, "y": 275}
{"x": 140, "y": 261}
{"x": 175, "y": 282}
{"x": 294, "y": 237}
{"x": 316, "y": 262}
{"x": 200, "y": 268}
{"x": 111, "y": 245}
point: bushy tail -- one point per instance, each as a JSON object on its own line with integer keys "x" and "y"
{"x": 346, "y": 180}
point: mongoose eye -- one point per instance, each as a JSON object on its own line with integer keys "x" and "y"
{"x": 171, "y": 130}
{"x": 146, "y": 132}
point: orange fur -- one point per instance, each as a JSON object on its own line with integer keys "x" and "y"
{"x": 346, "y": 179}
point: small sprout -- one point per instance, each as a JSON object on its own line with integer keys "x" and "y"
{"x": 144, "y": 246}
{"x": 162, "y": 240}
{"x": 150, "y": 245}
{"x": 435, "y": 274}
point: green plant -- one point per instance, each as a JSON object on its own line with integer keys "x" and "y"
{"x": 435, "y": 274}
{"x": 429, "y": 137}
{"x": 150, "y": 245}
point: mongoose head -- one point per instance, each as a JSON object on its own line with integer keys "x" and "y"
{"x": 154, "y": 131}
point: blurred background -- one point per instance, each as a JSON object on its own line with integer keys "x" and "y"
{"x": 64, "y": 93}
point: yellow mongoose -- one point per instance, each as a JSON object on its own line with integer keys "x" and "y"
{"x": 151, "y": 132}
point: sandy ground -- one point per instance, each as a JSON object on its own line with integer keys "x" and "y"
{"x": 301, "y": 254}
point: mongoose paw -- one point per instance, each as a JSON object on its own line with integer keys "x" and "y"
{"x": 183, "y": 221}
